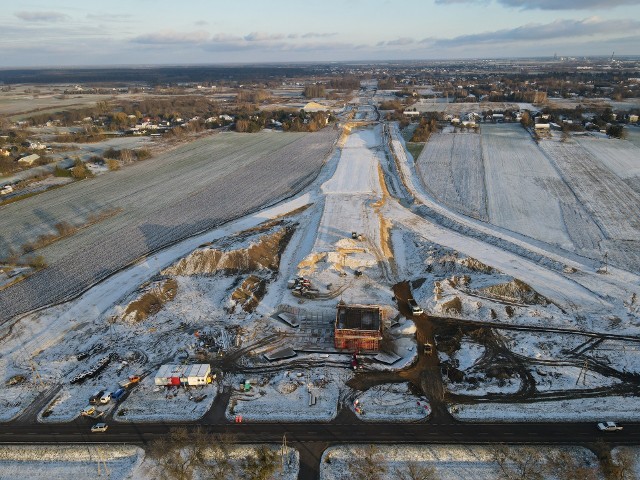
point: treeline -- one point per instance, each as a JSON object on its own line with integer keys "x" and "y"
{"x": 289, "y": 122}
{"x": 118, "y": 113}
{"x": 345, "y": 83}
{"x": 315, "y": 90}
{"x": 252, "y": 96}
{"x": 425, "y": 128}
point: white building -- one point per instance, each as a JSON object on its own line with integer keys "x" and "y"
{"x": 175, "y": 375}
{"x": 29, "y": 159}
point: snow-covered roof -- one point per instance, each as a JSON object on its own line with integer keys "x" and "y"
{"x": 182, "y": 371}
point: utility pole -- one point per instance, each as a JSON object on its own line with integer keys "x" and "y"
{"x": 284, "y": 451}
{"x": 583, "y": 373}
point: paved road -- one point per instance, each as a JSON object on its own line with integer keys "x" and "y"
{"x": 312, "y": 438}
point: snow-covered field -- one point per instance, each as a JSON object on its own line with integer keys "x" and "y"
{"x": 612, "y": 205}
{"x": 451, "y": 168}
{"x": 148, "y": 403}
{"x": 585, "y": 409}
{"x": 518, "y": 180}
{"x": 449, "y": 462}
{"x": 64, "y": 462}
{"x": 393, "y": 402}
{"x": 172, "y": 197}
{"x": 288, "y": 397}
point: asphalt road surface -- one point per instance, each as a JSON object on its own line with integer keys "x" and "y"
{"x": 311, "y": 439}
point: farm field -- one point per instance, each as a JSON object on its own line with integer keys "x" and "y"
{"x": 633, "y": 135}
{"x": 449, "y": 462}
{"x": 575, "y": 194}
{"x": 519, "y": 180}
{"x": 14, "y": 104}
{"x": 610, "y": 202}
{"x": 452, "y": 170}
{"x": 176, "y": 195}
{"x": 622, "y": 157}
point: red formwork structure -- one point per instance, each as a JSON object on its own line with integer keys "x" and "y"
{"x": 358, "y": 327}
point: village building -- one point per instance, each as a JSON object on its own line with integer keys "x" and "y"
{"x": 176, "y": 375}
{"x": 358, "y": 327}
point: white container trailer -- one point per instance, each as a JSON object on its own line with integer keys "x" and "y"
{"x": 175, "y": 375}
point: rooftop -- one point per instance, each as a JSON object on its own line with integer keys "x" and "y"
{"x": 358, "y": 317}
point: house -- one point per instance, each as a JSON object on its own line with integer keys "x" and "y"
{"x": 358, "y": 327}
{"x": 29, "y": 159}
{"x": 543, "y": 126}
{"x": 176, "y": 375}
{"x": 411, "y": 113}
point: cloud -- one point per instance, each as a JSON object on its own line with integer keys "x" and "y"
{"x": 318, "y": 35}
{"x": 263, "y": 37}
{"x": 41, "y": 16}
{"x": 109, "y": 17}
{"x": 550, "y": 4}
{"x": 540, "y": 32}
{"x": 170, "y": 37}
{"x": 400, "y": 42}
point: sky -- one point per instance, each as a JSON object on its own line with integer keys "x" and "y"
{"x": 38, "y": 33}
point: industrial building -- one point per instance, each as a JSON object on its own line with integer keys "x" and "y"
{"x": 358, "y": 327}
{"x": 176, "y": 375}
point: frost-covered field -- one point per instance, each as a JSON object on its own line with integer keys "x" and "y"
{"x": 612, "y": 205}
{"x": 622, "y": 157}
{"x": 64, "y": 462}
{"x": 148, "y": 403}
{"x": 451, "y": 168}
{"x": 285, "y": 397}
{"x": 450, "y": 462}
{"x": 621, "y": 408}
{"x": 633, "y": 135}
{"x": 164, "y": 200}
{"x": 14, "y": 399}
{"x": 393, "y": 402}
{"x": 519, "y": 179}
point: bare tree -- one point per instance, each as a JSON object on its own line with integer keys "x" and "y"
{"x": 369, "y": 466}
{"x": 181, "y": 453}
{"x": 262, "y": 465}
{"x": 564, "y": 465}
{"x": 413, "y": 471}
{"x": 626, "y": 464}
{"x": 519, "y": 464}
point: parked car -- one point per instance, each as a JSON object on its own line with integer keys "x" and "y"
{"x": 609, "y": 427}
{"x": 130, "y": 382}
{"x": 90, "y": 410}
{"x": 99, "y": 427}
{"x": 118, "y": 394}
{"x": 415, "y": 308}
{"x": 95, "y": 398}
{"x": 106, "y": 398}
